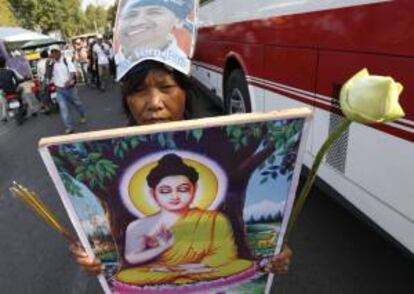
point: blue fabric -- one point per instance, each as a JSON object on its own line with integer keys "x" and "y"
{"x": 181, "y": 8}
{"x": 64, "y": 97}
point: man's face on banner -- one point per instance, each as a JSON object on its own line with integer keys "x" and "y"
{"x": 146, "y": 27}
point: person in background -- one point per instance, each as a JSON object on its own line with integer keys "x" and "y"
{"x": 62, "y": 72}
{"x": 93, "y": 64}
{"x": 25, "y": 89}
{"x": 9, "y": 79}
{"x": 81, "y": 58}
{"x": 9, "y": 82}
{"x": 102, "y": 53}
{"x": 112, "y": 65}
{"x": 44, "y": 83}
{"x": 68, "y": 52}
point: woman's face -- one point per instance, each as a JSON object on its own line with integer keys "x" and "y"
{"x": 146, "y": 27}
{"x": 158, "y": 99}
{"x": 174, "y": 193}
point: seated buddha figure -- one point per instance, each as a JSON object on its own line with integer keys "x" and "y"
{"x": 179, "y": 244}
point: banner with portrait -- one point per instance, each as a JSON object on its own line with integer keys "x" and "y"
{"x": 193, "y": 206}
{"x": 161, "y": 30}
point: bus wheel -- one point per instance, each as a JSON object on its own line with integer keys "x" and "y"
{"x": 237, "y": 96}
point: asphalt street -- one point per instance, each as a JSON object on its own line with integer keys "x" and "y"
{"x": 334, "y": 252}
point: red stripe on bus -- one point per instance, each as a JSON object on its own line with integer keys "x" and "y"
{"x": 382, "y": 127}
{"x": 377, "y": 28}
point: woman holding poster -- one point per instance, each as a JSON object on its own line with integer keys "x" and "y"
{"x": 156, "y": 89}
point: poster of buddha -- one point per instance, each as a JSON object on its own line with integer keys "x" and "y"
{"x": 188, "y": 209}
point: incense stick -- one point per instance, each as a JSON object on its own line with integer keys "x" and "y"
{"x": 31, "y": 200}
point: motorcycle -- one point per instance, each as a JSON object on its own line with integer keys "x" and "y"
{"x": 46, "y": 94}
{"x": 52, "y": 93}
{"x": 16, "y": 108}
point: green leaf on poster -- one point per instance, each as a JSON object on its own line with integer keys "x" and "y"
{"x": 197, "y": 134}
{"x": 134, "y": 142}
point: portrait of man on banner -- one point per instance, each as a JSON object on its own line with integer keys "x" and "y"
{"x": 162, "y": 30}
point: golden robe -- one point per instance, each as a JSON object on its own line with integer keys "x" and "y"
{"x": 204, "y": 237}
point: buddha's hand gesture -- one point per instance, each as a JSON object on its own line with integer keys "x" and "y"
{"x": 165, "y": 237}
{"x": 151, "y": 242}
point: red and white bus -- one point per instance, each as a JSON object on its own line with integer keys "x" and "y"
{"x": 271, "y": 54}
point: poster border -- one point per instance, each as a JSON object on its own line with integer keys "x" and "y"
{"x": 54, "y": 174}
{"x": 291, "y": 195}
{"x": 226, "y": 120}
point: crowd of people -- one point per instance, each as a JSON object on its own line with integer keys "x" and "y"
{"x": 55, "y": 77}
{"x": 93, "y": 59}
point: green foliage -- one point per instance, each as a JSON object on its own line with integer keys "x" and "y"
{"x": 71, "y": 186}
{"x": 111, "y": 13}
{"x": 64, "y": 16}
{"x": 197, "y": 134}
{"x": 122, "y": 146}
{"x": 239, "y": 135}
{"x": 96, "y": 19}
{"x": 283, "y": 136}
{"x": 7, "y": 18}
{"x": 93, "y": 163}
{"x": 95, "y": 170}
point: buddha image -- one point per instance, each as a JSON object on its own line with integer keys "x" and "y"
{"x": 180, "y": 243}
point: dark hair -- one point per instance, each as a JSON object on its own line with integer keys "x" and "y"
{"x": 2, "y": 62}
{"x": 136, "y": 76}
{"x": 171, "y": 165}
{"x": 44, "y": 54}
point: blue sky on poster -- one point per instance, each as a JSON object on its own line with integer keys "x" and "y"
{"x": 273, "y": 193}
{"x": 97, "y": 2}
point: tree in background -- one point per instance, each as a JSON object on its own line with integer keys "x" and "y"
{"x": 64, "y": 16}
{"x": 7, "y": 17}
{"x": 49, "y": 15}
{"x": 96, "y": 19}
{"x": 73, "y": 18}
{"x": 111, "y": 13}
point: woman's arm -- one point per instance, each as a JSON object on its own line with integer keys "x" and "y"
{"x": 92, "y": 266}
{"x": 280, "y": 263}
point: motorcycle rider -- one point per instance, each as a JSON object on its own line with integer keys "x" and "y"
{"x": 9, "y": 82}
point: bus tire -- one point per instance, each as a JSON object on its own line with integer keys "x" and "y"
{"x": 237, "y": 98}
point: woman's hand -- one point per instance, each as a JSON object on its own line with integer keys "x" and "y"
{"x": 280, "y": 263}
{"x": 92, "y": 266}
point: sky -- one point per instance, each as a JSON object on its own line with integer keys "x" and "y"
{"x": 97, "y": 2}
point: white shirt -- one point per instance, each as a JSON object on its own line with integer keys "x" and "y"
{"x": 102, "y": 50}
{"x": 62, "y": 73}
{"x": 41, "y": 69}
{"x": 68, "y": 54}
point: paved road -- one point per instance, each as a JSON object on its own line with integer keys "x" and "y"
{"x": 333, "y": 251}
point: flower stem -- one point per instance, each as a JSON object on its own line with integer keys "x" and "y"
{"x": 300, "y": 201}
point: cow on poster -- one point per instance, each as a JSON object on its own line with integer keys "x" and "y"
{"x": 162, "y": 30}
{"x": 186, "y": 208}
